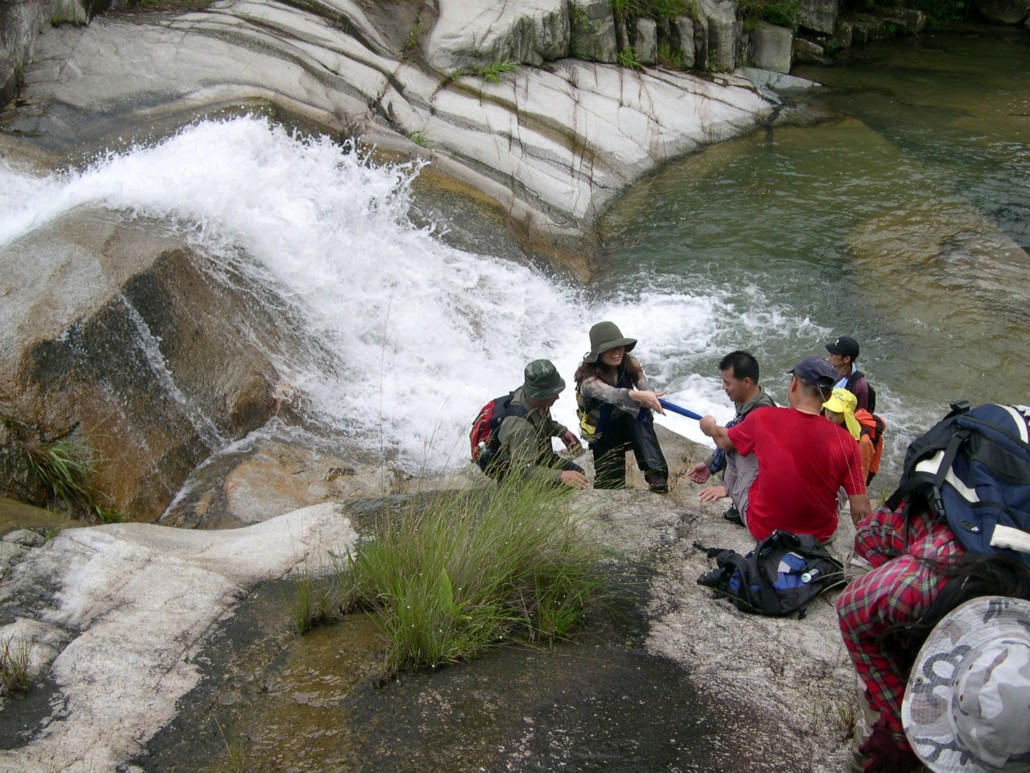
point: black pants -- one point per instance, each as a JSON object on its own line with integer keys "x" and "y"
{"x": 623, "y": 433}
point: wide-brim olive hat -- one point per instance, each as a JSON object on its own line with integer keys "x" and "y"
{"x": 605, "y": 336}
{"x": 542, "y": 381}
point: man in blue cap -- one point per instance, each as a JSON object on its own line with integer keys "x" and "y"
{"x": 803, "y": 459}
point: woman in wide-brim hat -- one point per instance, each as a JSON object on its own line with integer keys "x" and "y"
{"x": 614, "y": 404}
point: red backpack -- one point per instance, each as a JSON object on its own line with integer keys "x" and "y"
{"x": 483, "y": 437}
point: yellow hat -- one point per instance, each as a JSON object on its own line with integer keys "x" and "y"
{"x": 843, "y": 401}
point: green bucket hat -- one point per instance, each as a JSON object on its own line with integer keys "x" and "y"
{"x": 542, "y": 381}
{"x": 605, "y": 336}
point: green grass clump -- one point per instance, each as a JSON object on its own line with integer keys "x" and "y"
{"x": 492, "y": 72}
{"x": 14, "y": 667}
{"x": 315, "y": 602}
{"x": 66, "y": 468}
{"x": 451, "y": 576}
{"x": 627, "y": 57}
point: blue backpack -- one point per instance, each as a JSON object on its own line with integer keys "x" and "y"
{"x": 783, "y": 573}
{"x": 973, "y": 469}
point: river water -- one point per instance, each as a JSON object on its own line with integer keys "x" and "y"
{"x": 903, "y": 222}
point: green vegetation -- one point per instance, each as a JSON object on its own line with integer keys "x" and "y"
{"x": 670, "y": 56}
{"x": 420, "y": 138}
{"x": 450, "y": 576}
{"x": 414, "y": 32}
{"x": 783, "y": 13}
{"x": 234, "y": 748}
{"x": 315, "y": 602}
{"x": 14, "y": 667}
{"x": 64, "y": 467}
{"x": 659, "y": 10}
{"x": 492, "y": 72}
{"x": 627, "y": 57}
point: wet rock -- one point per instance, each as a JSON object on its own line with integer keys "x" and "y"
{"x": 122, "y": 339}
{"x": 1003, "y": 11}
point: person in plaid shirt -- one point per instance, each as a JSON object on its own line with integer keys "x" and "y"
{"x": 908, "y": 555}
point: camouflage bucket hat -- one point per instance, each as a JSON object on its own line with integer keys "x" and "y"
{"x": 605, "y": 336}
{"x": 967, "y": 703}
{"x": 542, "y": 381}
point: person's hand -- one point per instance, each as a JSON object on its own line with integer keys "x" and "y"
{"x": 708, "y": 425}
{"x": 648, "y": 399}
{"x": 712, "y": 494}
{"x": 574, "y": 478}
{"x": 571, "y": 441}
{"x": 700, "y": 473}
{"x": 861, "y": 508}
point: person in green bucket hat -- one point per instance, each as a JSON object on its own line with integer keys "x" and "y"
{"x": 614, "y": 404}
{"x": 524, "y": 435}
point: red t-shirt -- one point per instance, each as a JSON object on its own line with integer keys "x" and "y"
{"x": 803, "y": 458}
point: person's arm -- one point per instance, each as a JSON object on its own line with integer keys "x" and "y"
{"x": 627, "y": 400}
{"x": 711, "y": 428}
{"x": 854, "y": 485}
{"x": 521, "y": 447}
{"x": 861, "y": 507}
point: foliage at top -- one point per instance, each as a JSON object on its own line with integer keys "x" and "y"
{"x": 783, "y": 13}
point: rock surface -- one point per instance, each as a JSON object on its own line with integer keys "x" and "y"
{"x": 120, "y": 617}
{"x": 551, "y": 147}
{"x": 116, "y": 616}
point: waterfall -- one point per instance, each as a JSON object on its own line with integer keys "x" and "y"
{"x": 418, "y": 334}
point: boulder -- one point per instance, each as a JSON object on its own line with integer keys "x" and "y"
{"x": 593, "y": 31}
{"x": 147, "y": 357}
{"x": 1004, "y": 11}
{"x": 476, "y": 33}
{"x": 772, "y": 47}
{"x": 645, "y": 42}
{"x": 819, "y": 15}
{"x": 683, "y": 36}
{"x": 722, "y": 31}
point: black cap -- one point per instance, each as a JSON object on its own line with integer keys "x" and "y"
{"x": 845, "y": 346}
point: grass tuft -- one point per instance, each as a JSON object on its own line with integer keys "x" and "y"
{"x": 14, "y": 667}
{"x": 448, "y": 577}
{"x": 492, "y": 72}
{"x": 314, "y": 603}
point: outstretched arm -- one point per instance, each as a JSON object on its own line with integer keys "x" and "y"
{"x": 722, "y": 439}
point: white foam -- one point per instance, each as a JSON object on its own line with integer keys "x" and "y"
{"x": 421, "y": 334}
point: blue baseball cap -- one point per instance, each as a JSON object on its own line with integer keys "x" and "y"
{"x": 815, "y": 370}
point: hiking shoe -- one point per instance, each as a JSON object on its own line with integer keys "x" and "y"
{"x": 733, "y": 516}
{"x": 658, "y": 483}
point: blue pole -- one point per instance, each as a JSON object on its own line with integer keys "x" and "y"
{"x": 676, "y": 409}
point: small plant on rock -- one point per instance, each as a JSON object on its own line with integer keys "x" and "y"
{"x": 492, "y": 72}
{"x": 14, "y": 667}
{"x": 627, "y": 57}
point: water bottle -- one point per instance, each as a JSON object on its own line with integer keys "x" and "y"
{"x": 807, "y": 577}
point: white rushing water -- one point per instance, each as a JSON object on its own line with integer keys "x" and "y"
{"x": 424, "y": 333}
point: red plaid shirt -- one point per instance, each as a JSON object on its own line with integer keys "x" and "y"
{"x": 898, "y": 590}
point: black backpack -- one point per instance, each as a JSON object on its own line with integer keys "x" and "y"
{"x": 973, "y": 469}
{"x": 780, "y": 576}
{"x": 850, "y": 386}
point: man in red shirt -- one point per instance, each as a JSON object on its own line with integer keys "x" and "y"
{"x": 803, "y": 459}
